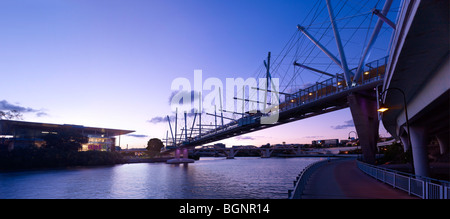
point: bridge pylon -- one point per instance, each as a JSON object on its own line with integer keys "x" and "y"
{"x": 363, "y": 106}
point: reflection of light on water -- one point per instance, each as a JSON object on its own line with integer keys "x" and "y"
{"x": 242, "y": 177}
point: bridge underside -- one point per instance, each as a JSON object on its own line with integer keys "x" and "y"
{"x": 420, "y": 67}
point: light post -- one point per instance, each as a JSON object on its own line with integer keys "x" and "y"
{"x": 384, "y": 108}
{"x": 356, "y": 134}
{"x": 349, "y": 138}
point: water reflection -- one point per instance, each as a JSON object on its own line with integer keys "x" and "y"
{"x": 207, "y": 178}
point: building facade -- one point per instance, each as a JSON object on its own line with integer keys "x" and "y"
{"x": 16, "y": 134}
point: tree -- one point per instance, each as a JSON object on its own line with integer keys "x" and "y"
{"x": 154, "y": 146}
{"x": 66, "y": 140}
{"x": 11, "y": 114}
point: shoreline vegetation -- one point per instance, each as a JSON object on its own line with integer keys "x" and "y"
{"x": 42, "y": 158}
{"x": 60, "y": 150}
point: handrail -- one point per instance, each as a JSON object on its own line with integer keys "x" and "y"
{"x": 423, "y": 187}
{"x": 303, "y": 177}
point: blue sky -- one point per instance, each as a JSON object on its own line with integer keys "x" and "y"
{"x": 110, "y": 63}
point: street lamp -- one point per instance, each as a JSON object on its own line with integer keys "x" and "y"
{"x": 356, "y": 134}
{"x": 383, "y": 108}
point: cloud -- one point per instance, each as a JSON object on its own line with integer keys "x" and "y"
{"x": 244, "y": 138}
{"x": 314, "y": 136}
{"x": 347, "y": 124}
{"x": 41, "y": 114}
{"x": 194, "y": 96}
{"x": 160, "y": 119}
{"x": 163, "y": 119}
{"x": 138, "y": 135}
{"x": 5, "y": 105}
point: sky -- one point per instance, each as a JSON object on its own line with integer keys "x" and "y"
{"x": 111, "y": 63}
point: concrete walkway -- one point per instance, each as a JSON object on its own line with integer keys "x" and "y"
{"x": 343, "y": 180}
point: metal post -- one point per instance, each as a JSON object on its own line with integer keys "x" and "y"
{"x": 215, "y": 118}
{"x": 171, "y": 132}
{"x": 243, "y": 101}
{"x": 409, "y": 185}
{"x": 221, "y": 109}
{"x": 176, "y": 121}
{"x": 384, "y": 18}
{"x": 313, "y": 40}
{"x": 200, "y": 113}
{"x": 267, "y": 65}
{"x": 395, "y": 180}
{"x": 406, "y": 120}
{"x": 374, "y": 36}
{"x": 425, "y": 189}
{"x": 185, "y": 125}
{"x": 167, "y": 138}
{"x": 339, "y": 44}
{"x": 193, "y": 122}
{"x": 268, "y": 70}
{"x": 313, "y": 69}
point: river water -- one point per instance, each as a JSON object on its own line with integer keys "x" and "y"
{"x": 208, "y": 178}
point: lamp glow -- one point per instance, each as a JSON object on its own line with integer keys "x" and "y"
{"x": 383, "y": 108}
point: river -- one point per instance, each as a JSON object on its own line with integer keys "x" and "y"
{"x": 207, "y": 178}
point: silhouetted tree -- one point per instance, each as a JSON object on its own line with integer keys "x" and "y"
{"x": 11, "y": 114}
{"x": 154, "y": 146}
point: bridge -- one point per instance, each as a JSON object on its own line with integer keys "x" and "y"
{"x": 323, "y": 97}
{"x": 264, "y": 152}
{"x": 355, "y": 88}
{"x": 417, "y": 82}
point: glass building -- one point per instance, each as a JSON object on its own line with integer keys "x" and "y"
{"x": 14, "y": 134}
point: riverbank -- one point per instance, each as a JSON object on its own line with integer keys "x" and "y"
{"x": 146, "y": 160}
{"x": 41, "y": 158}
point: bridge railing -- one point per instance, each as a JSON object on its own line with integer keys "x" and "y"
{"x": 423, "y": 187}
{"x": 372, "y": 71}
{"x": 303, "y": 177}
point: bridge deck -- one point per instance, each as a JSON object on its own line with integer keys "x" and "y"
{"x": 323, "y": 97}
{"x": 343, "y": 180}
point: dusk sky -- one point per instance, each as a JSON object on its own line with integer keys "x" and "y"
{"x": 110, "y": 63}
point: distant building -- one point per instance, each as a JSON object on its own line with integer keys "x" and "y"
{"x": 219, "y": 145}
{"x": 344, "y": 141}
{"x": 326, "y": 142}
{"x": 14, "y": 134}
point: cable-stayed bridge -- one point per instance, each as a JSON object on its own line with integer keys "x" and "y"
{"x": 354, "y": 88}
{"x": 323, "y": 97}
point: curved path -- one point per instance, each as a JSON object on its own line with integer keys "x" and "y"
{"x": 342, "y": 179}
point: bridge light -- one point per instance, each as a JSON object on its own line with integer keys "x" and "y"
{"x": 383, "y": 108}
{"x": 366, "y": 73}
{"x": 310, "y": 94}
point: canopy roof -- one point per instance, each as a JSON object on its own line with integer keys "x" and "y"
{"x": 8, "y": 127}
